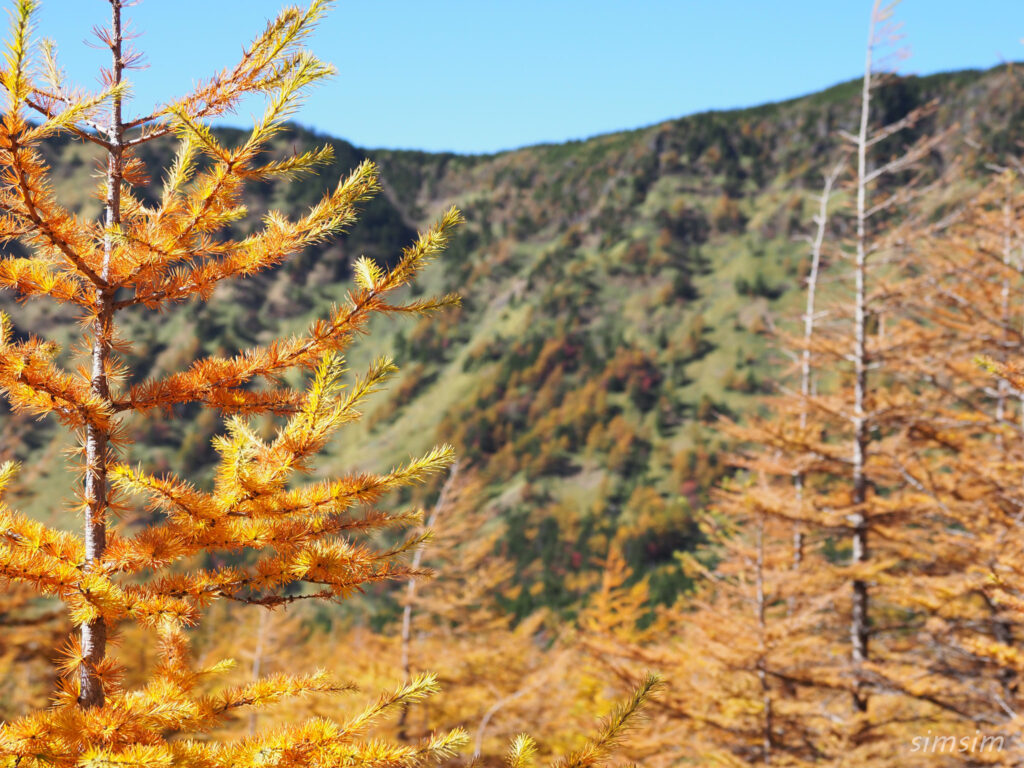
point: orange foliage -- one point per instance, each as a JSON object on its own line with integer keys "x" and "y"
{"x": 288, "y": 538}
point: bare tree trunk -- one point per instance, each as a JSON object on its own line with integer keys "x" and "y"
{"x": 861, "y": 435}
{"x": 94, "y": 633}
{"x": 762, "y": 674}
{"x": 481, "y": 731}
{"x": 410, "y": 589}
{"x": 1002, "y": 629}
{"x": 1004, "y": 385}
{"x": 821, "y": 222}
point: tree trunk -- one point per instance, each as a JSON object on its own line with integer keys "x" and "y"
{"x": 762, "y": 674}
{"x": 861, "y": 436}
{"x": 94, "y": 633}
{"x": 821, "y": 223}
{"x": 410, "y": 591}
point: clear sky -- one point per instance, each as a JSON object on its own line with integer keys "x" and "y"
{"x": 484, "y": 75}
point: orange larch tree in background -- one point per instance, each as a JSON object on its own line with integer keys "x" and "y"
{"x": 732, "y": 657}
{"x": 970, "y": 454}
{"x": 830, "y": 654}
{"x": 299, "y": 539}
{"x": 500, "y": 677}
{"x": 30, "y": 635}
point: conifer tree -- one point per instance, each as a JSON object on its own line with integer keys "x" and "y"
{"x": 458, "y": 625}
{"x": 968, "y": 449}
{"x": 848, "y": 449}
{"x": 295, "y": 539}
{"x": 846, "y": 661}
{"x": 499, "y": 678}
{"x": 731, "y": 653}
{"x": 506, "y": 677}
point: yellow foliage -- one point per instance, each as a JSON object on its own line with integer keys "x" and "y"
{"x": 304, "y": 540}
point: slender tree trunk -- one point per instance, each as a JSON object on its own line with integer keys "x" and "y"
{"x": 762, "y": 674}
{"x": 861, "y": 435}
{"x": 1004, "y": 385}
{"x": 410, "y": 591}
{"x": 1002, "y": 629}
{"x": 94, "y": 633}
{"x": 821, "y": 222}
{"x": 485, "y": 721}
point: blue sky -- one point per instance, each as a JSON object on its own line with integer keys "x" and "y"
{"x": 484, "y": 75}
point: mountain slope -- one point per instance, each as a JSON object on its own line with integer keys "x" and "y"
{"x": 618, "y": 294}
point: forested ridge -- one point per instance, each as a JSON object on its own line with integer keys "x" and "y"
{"x": 619, "y": 295}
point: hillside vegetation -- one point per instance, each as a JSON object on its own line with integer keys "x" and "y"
{"x": 618, "y": 298}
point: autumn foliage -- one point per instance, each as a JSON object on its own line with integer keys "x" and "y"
{"x": 288, "y": 538}
{"x": 842, "y": 586}
{"x": 858, "y": 598}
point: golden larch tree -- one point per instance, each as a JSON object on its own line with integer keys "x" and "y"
{"x": 969, "y": 455}
{"x": 301, "y": 539}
